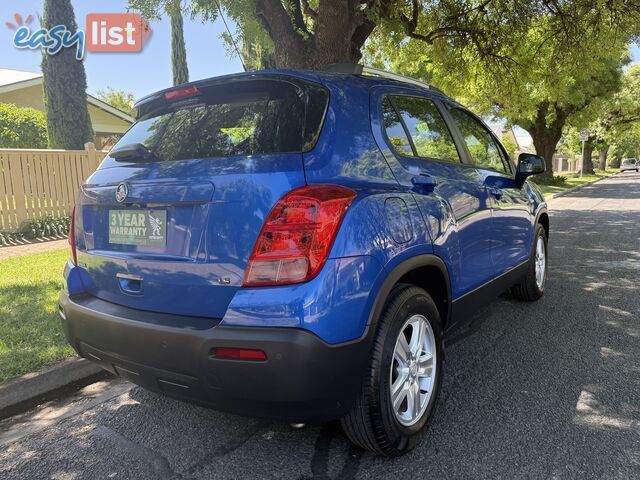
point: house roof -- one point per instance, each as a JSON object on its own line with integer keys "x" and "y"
{"x": 11, "y": 79}
{"x": 9, "y": 76}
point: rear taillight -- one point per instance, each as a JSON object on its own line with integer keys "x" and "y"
{"x": 72, "y": 237}
{"x": 297, "y": 236}
{"x": 181, "y": 93}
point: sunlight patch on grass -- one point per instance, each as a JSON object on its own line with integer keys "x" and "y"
{"x": 30, "y": 333}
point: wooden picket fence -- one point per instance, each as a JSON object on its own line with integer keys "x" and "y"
{"x": 34, "y": 183}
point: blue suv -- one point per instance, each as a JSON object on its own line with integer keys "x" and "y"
{"x": 296, "y": 245}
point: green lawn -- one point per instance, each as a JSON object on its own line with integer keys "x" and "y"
{"x": 30, "y": 332}
{"x": 571, "y": 182}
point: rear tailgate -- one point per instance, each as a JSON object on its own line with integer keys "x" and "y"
{"x": 173, "y": 233}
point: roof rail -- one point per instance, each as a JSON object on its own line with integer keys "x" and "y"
{"x": 357, "y": 69}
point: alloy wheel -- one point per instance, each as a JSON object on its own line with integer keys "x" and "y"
{"x": 413, "y": 370}
{"x": 541, "y": 263}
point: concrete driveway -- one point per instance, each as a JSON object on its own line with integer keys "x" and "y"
{"x": 544, "y": 390}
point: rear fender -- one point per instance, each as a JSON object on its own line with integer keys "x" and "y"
{"x": 400, "y": 270}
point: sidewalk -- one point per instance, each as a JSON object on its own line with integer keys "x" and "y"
{"x": 31, "y": 248}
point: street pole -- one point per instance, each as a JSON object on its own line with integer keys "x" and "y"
{"x": 584, "y": 137}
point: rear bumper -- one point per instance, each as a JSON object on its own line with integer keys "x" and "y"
{"x": 303, "y": 379}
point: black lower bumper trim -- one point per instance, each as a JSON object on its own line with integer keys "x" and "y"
{"x": 303, "y": 379}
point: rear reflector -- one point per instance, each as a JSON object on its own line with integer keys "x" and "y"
{"x": 72, "y": 237}
{"x": 181, "y": 93}
{"x": 297, "y": 235}
{"x": 238, "y": 354}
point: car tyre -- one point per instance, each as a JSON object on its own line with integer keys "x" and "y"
{"x": 531, "y": 287}
{"x": 374, "y": 423}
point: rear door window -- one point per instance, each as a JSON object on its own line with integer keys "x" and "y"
{"x": 240, "y": 118}
{"x": 423, "y": 126}
{"x": 483, "y": 147}
{"x": 395, "y": 130}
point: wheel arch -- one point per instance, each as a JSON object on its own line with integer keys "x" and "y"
{"x": 543, "y": 219}
{"x": 426, "y": 271}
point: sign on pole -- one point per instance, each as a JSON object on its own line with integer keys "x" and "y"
{"x": 584, "y": 135}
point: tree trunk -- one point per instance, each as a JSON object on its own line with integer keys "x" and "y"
{"x": 545, "y": 143}
{"x": 602, "y": 160}
{"x": 339, "y": 34}
{"x": 178, "y": 49}
{"x": 545, "y": 137}
{"x": 587, "y": 159}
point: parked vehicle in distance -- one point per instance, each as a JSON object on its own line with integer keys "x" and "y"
{"x": 629, "y": 164}
{"x": 297, "y": 245}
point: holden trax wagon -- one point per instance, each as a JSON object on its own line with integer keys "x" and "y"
{"x": 296, "y": 245}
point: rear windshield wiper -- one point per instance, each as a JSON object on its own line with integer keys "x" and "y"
{"x": 133, "y": 151}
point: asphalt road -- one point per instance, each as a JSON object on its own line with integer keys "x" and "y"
{"x": 544, "y": 390}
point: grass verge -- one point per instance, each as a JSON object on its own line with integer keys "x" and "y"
{"x": 572, "y": 181}
{"x": 30, "y": 333}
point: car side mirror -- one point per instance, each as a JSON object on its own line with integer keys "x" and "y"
{"x": 529, "y": 164}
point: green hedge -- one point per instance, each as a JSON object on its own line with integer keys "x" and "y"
{"x": 22, "y": 127}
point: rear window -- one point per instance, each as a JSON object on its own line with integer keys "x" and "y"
{"x": 253, "y": 117}
{"x": 629, "y": 161}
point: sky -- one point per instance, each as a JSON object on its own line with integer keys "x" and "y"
{"x": 140, "y": 73}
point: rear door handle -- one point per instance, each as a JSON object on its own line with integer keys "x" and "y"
{"x": 424, "y": 181}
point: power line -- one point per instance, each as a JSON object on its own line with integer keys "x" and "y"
{"x": 235, "y": 45}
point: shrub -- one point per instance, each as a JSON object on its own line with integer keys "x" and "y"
{"x": 559, "y": 180}
{"x": 9, "y": 238}
{"x": 47, "y": 226}
{"x": 22, "y": 127}
{"x": 555, "y": 181}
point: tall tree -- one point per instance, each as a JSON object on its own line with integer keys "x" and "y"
{"x": 155, "y": 9}
{"x": 626, "y": 144}
{"x": 64, "y": 85}
{"x": 537, "y": 78}
{"x": 316, "y": 33}
{"x": 529, "y": 53}
{"x": 178, "y": 49}
{"x": 619, "y": 115}
{"x": 607, "y": 124}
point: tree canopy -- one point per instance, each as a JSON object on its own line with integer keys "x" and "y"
{"x": 538, "y": 63}
{"x": 624, "y": 108}
{"x": 315, "y": 33}
{"x": 119, "y": 99}
{"x": 618, "y": 118}
{"x": 537, "y": 77}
